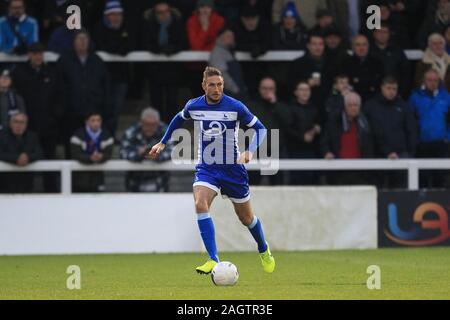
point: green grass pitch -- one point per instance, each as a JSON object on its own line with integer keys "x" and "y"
{"x": 405, "y": 274}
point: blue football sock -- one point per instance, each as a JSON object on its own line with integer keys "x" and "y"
{"x": 257, "y": 232}
{"x": 206, "y": 226}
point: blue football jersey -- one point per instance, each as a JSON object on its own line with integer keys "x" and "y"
{"x": 218, "y": 126}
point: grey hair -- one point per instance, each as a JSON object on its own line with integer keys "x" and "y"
{"x": 352, "y": 97}
{"x": 150, "y": 113}
{"x": 435, "y": 36}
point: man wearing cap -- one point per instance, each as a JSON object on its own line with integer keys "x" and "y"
{"x": 10, "y": 102}
{"x": 36, "y": 83}
{"x": 17, "y": 30}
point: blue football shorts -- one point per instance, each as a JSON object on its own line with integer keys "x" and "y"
{"x": 231, "y": 180}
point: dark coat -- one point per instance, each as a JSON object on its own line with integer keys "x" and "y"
{"x": 393, "y": 124}
{"x": 336, "y": 126}
{"x": 395, "y": 64}
{"x": 283, "y": 39}
{"x": 150, "y": 36}
{"x": 302, "y": 70}
{"x": 39, "y": 88}
{"x": 85, "y": 88}
{"x": 255, "y": 42}
{"x": 12, "y": 146}
{"x": 303, "y": 118}
{"x": 365, "y": 75}
{"x": 272, "y": 116}
{"x": 117, "y": 41}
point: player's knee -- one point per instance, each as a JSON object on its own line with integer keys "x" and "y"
{"x": 201, "y": 206}
{"x": 246, "y": 219}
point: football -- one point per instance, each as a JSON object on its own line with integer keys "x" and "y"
{"x": 225, "y": 274}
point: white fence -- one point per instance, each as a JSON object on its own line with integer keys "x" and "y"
{"x": 317, "y": 218}
{"x": 186, "y": 56}
{"x": 66, "y": 167}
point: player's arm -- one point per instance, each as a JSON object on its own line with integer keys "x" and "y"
{"x": 258, "y": 138}
{"x": 175, "y": 124}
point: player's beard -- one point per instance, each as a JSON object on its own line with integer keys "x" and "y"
{"x": 215, "y": 99}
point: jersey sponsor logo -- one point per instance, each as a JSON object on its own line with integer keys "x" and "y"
{"x": 214, "y": 115}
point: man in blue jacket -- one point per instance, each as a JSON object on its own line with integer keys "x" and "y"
{"x": 431, "y": 104}
{"x": 17, "y": 30}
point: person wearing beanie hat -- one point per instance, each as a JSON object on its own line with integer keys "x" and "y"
{"x": 290, "y": 11}
{"x": 290, "y": 33}
{"x": 306, "y": 9}
{"x": 112, "y": 6}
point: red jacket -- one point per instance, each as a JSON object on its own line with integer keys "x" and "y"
{"x": 203, "y": 40}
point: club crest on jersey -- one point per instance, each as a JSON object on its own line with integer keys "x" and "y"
{"x": 214, "y": 129}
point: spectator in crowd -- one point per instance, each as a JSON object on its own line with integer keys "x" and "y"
{"x": 36, "y": 82}
{"x": 314, "y": 69}
{"x": 306, "y": 8}
{"x": 10, "y": 102}
{"x": 203, "y": 26}
{"x": 397, "y": 25}
{"x": 435, "y": 57}
{"x": 164, "y": 34}
{"x": 394, "y": 126}
{"x": 91, "y": 145}
{"x": 61, "y": 38}
{"x": 275, "y": 115}
{"x": 349, "y": 16}
{"x": 202, "y": 29}
{"x": 112, "y": 35}
{"x": 185, "y": 7}
{"x": 18, "y": 146}
{"x": 436, "y": 21}
{"x": 335, "y": 47}
{"x": 303, "y": 132}
{"x": 17, "y": 30}
{"x": 393, "y": 58}
{"x": 54, "y": 17}
{"x": 290, "y": 33}
{"x": 325, "y": 21}
{"x": 85, "y": 86}
{"x": 253, "y": 35}
{"x": 222, "y": 57}
{"x": 335, "y": 102}
{"x": 447, "y": 39}
{"x": 364, "y": 70}
{"x": 134, "y": 147}
{"x": 347, "y": 135}
{"x": 431, "y": 104}
{"x": 264, "y": 7}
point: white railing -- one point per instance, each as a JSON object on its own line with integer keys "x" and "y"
{"x": 186, "y": 56}
{"x": 66, "y": 167}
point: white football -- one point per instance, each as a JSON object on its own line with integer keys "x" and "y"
{"x": 225, "y": 274}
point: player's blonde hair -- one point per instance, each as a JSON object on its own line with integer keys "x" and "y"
{"x": 210, "y": 72}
